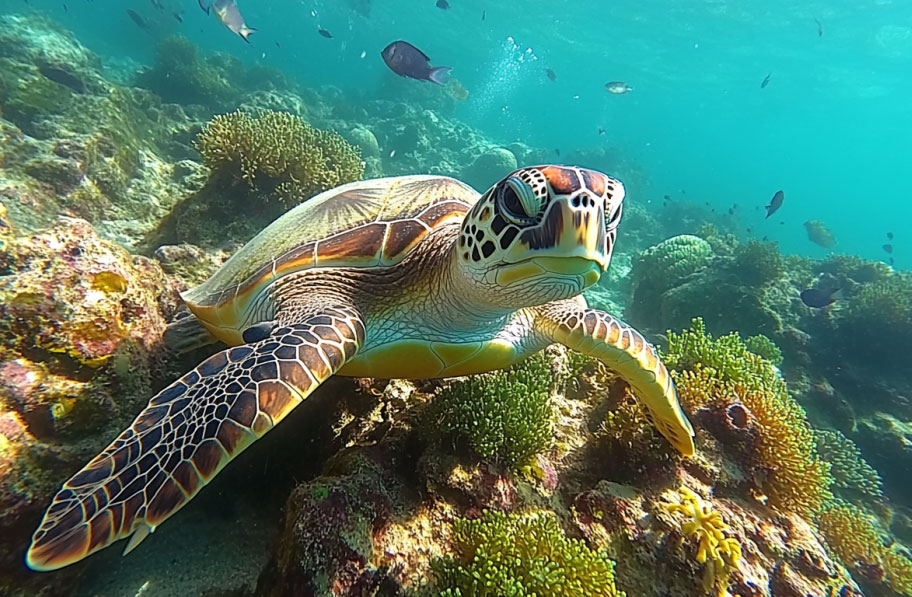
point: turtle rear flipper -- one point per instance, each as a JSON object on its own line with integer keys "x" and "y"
{"x": 189, "y": 432}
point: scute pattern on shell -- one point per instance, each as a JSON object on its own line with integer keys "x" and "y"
{"x": 361, "y": 224}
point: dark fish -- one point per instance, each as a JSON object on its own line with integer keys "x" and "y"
{"x": 324, "y": 33}
{"x": 889, "y": 236}
{"x": 178, "y": 16}
{"x": 406, "y": 60}
{"x": 888, "y": 248}
{"x": 65, "y": 9}
{"x": 140, "y": 22}
{"x": 228, "y": 13}
{"x": 551, "y": 74}
{"x": 484, "y": 13}
{"x": 443, "y": 4}
{"x": 819, "y": 28}
{"x": 557, "y": 151}
{"x": 58, "y": 75}
{"x": 891, "y": 261}
{"x": 731, "y": 211}
{"x": 203, "y": 6}
{"x": 601, "y": 131}
{"x": 818, "y": 299}
{"x": 667, "y": 197}
{"x": 157, "y": 4}
{"x": 765, "y": 81}
{"x": 775, "y": 203}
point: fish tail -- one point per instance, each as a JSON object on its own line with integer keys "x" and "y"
{"x": 245, "y": 32}
{"x": 439, "y": 74}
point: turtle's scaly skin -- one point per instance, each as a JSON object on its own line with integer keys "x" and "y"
{"x": 400, "y": 277}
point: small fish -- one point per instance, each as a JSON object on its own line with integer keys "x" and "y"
{"x": 618, "y": 87}
{"x": 556, "y": 151}
{"x": 203, "y": 6}
{"x": 140, "y": 22}
{"x": 819, "y": 28}
{"x": 228, "y": 13}
{"x": 731, "y": 211}
{"x": 889, "y": 236}
{"x": 888, "y": 248}
{"x": 406, "y": 60}
{"x": 819, "y": 234}
{"x": 393, "y": 153}
{"x": 891, "y": 261}
{"x": 601, "y": 131}
{"x": 775, "y": 203}
{"x": 157, "y": 4}
{"x": 324, "y": 33}
{"x": 551, "y": 74}
{"x": 178, "y": 16}
{"x": 277, "y": 45}
{"x": 765, "y": 80}
{"x": 58, "y": 75}
{"x": 65, "y": 9}
{"x": 818, "y": 299}
{"x": 443, "y": 5}
{"x": 484, "y": 13}
{"x": 667, "y": 197}
{"x": 363, "y": 54}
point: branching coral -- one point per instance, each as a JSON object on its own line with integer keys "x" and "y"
{"x": 504, "y": 416}
{"x": 718, "y": 372}
{"x": 522, "y": 555}
{"x": 853, "y": 537}
{"x": 764, "y": 348}
{"x": 850, "y": 470}
{"x": 279, "y": 154}
{"x": 759, "y": 263}
{"x": 720, "y": 554}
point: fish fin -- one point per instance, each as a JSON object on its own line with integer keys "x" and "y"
{"x": 836, "y": 294}
{"x": 245, "y": 32}
{"x": 439, "y": 74}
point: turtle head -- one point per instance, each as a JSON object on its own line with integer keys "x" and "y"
{"x": 542, "y": 233}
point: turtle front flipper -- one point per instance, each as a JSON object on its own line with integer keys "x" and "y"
{"x": 626, "y": 351}
{"x": 189, "y": 432}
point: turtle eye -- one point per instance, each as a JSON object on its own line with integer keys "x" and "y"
{"x": 518, "y": 201}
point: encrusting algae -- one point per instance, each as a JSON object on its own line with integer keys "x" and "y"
{"x": 719, "y": 553}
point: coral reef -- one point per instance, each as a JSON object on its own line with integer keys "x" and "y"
{"x": 850, "y": 470}
{"x": 719, "y": 372}
{"x": 489, "y": 167}
{"x": 721, "y": 554}
{"x": 522, "y": 554}
{"x": 764, "y": 348}
{"x": 278, "y": 154}
{"x": 853, "y": 537}
{"x": 80, "y": 320}
{"x": 503, "y": 416}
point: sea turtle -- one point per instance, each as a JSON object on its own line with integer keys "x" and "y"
{"x": 405, "y": 277}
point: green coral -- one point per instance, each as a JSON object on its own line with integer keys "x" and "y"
{"x": 504, "y": 416}
{"x": 522, "y": 555}
{"x": 279, "y": 154}
{"x": 718, "y": 372}
{"x": 764, "y": 348}
{"x": 721, "y": 554}
{"x": 758, "y": 263}
{"x": 673, "y": 259}
{"x": 181, "y": 75}
{"x": 849, "y": 468}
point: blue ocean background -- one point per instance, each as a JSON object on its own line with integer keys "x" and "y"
{"x": 831, "y": 129}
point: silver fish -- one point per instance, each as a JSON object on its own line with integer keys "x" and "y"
{"x": 228, "y": 13}
{"x": 618, "y": 87}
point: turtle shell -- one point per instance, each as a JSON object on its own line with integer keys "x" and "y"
{"x": 370, "y": 223}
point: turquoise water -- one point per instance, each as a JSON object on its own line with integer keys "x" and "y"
{"x": 831, "y": 129}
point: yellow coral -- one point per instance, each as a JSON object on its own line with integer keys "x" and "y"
{"x": 795, "y": 478}
{"x": 853, "y": 537}
{"x": 721, "y": 554}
